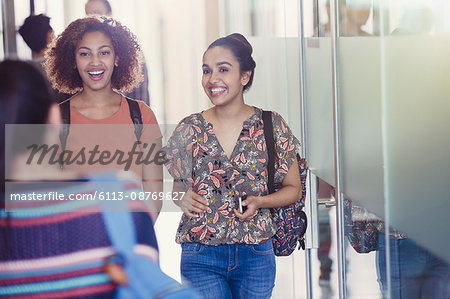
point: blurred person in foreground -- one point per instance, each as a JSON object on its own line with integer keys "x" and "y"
{"x": 54, "y": 248}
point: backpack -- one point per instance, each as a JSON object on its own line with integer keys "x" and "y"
{"x": 145, "y": 277}
{"x": 362, "y": 234}
{"x": 135, "y": 114}
{"x": 291, "y": 221}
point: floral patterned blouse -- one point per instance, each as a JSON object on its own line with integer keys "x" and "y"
{"x": 196, "y": 159}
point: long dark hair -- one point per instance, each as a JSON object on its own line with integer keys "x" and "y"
{"x": 25, "y": 98}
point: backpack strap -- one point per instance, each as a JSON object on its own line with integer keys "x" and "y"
{"x": 136, "y": 117}
{"x": 64, "y": 107}
{"x": 145, "y": 277}
{"x": 270, "y": 145}
{"x": 135, "y": 114}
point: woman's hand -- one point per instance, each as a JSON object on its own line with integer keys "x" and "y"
{"x": 252, "y": 203}
{"x": 116, "y": 273}
{"x": 193, "y": 204}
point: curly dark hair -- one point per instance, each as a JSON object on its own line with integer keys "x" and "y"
{"x": 60, "y": 64}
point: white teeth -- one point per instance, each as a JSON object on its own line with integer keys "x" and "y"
{"x": 216, "y": 90}
{"x": 96, "y": 73}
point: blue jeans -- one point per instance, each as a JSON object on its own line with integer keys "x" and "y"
{"x": 415, "y": 272}
{"x": 229, "y": 271}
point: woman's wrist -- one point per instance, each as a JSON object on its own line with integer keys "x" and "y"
{"x": 260, "y": 201}
{"x": 277, "y": 199}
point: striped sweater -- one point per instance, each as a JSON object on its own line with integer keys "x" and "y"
{"x": 58, "y": 249}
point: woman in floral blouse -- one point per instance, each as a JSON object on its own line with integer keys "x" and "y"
{"x": 219, "y": 155}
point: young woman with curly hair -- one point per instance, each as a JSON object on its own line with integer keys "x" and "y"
{"x": 66, "y": 52}
{"x": 97, "y": 59}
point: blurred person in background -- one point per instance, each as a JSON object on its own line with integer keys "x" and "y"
{"x": 38, "y": 34}
{"x": 98, "y": 7}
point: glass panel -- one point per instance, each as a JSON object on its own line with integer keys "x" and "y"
{"x": 319, "y": 107}
{"x": 417, "y": 138}
{"x": 320, "y": 147}
{"x": 360, "y": 92}
{"x": 395, "y": 132}
{"x": 359, "y": 76}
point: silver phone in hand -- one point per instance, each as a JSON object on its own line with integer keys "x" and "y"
{"x": 242, "y": 208}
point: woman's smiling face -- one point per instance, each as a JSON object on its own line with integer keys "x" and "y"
{"x": 95, "y": 60}
{"x": 222, "y": 79}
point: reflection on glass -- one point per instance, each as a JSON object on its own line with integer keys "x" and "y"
{"x": 262, "y": 18}
{"x": 358, "y": 18}
{"x": 418, "y": 17}
{"x": 316, "y": 20}
{"x": 325, "y": 193}
{"x": 395, "y": 136}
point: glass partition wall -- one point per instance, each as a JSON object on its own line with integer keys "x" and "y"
{"x": 377, "y": 130}
{"x": 416, "y": 136}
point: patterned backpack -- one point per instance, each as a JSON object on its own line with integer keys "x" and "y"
{"x": 362, "y": 233}
{"x": 290, "y": 220}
